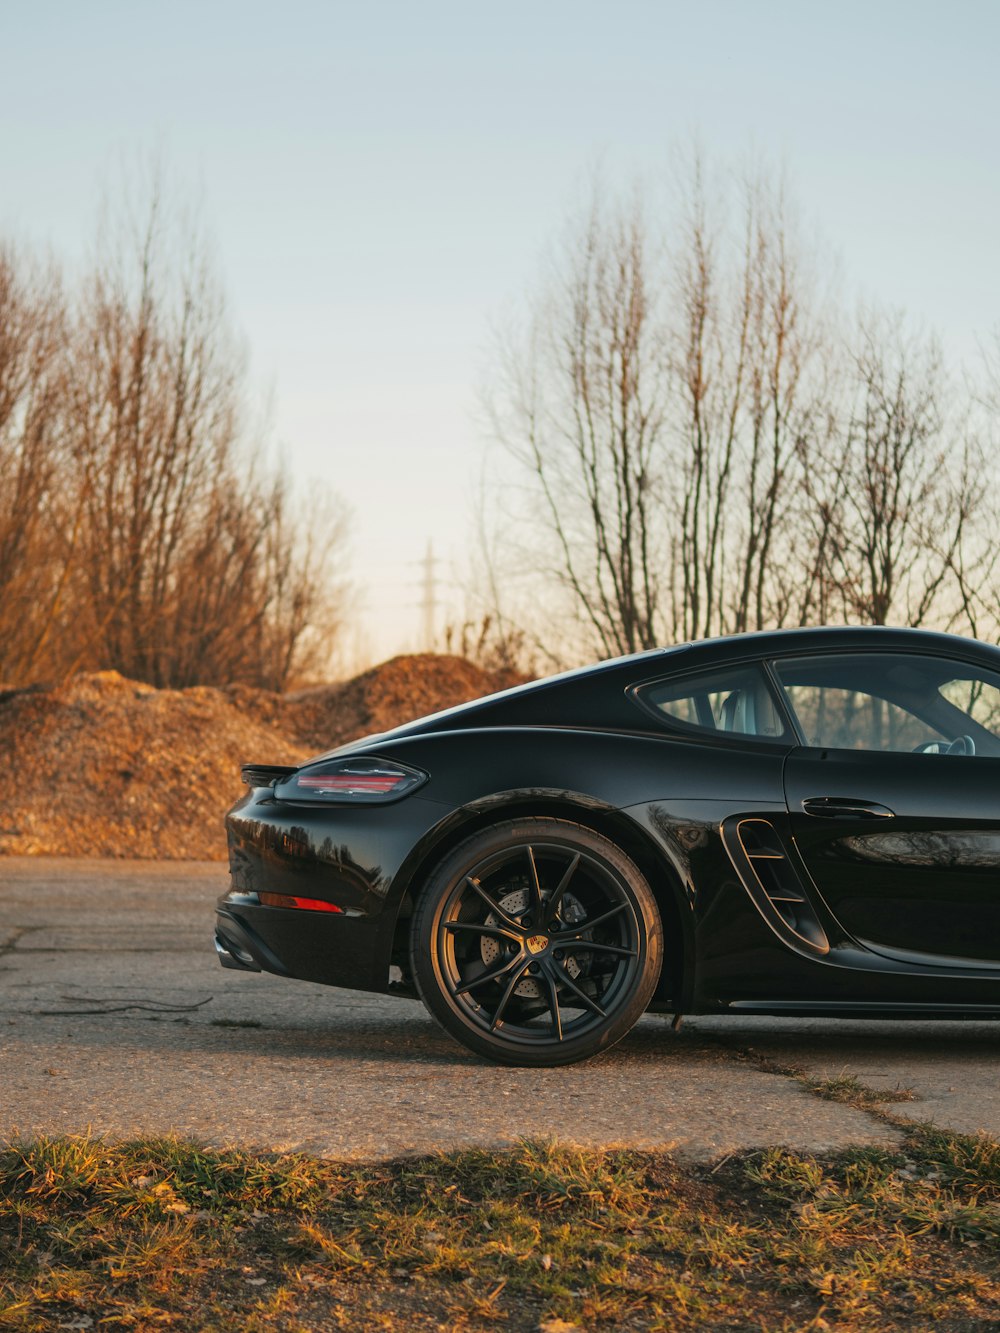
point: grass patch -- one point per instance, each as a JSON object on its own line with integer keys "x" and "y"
{"x": 850, "y": 1090}
{"x": 163, "y": 1233}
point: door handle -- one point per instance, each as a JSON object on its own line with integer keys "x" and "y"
{"x": 845, "y": 807}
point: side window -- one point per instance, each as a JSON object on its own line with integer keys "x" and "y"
{"x": 841, "y": 719}
{"x": 893, "y": 702}
{"x": 737, "y": 701}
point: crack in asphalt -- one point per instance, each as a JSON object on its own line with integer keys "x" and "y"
{"x": 102, "y": 950}
{"x": 766, "y": 1064}
{"x": 121, "y": 1008}
{"x": 11, "y": 942}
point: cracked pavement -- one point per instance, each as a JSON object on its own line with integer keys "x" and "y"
{"x": 115, "y": 1017}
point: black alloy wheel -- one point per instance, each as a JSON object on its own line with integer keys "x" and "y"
{"x": 537, "y": 942}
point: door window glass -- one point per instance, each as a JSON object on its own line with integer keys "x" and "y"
{"x": 893, "y": 702}
{"x": 840, "y": 719}
{"x": 737, "y": 701}
{"x": 979, "y": 699}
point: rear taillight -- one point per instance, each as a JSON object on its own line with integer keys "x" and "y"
{"x": 353, "y": 781}
{"x": 377, "y": 784}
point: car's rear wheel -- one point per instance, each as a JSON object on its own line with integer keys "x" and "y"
{"x": 537, "y": 942}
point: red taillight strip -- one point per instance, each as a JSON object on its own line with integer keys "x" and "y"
{"x": 291, "y": 900}
{"x": 349, "y": 782}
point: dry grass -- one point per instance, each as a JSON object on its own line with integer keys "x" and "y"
{"x": 850, "y": 1090}
{"x": 166, "y": 1234}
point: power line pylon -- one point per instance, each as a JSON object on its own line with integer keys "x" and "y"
{"x": 429, "y": 602}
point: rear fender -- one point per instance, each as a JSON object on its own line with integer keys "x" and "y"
{"x": 656, "y": 862}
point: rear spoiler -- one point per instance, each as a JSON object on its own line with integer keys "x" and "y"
{"x": 265, "y": 775}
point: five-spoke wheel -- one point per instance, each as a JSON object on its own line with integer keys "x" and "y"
{"x": 537, "y": 942}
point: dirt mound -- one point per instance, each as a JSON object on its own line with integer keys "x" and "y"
{"x": 105, "y": 766}
{"x": 398, "y": 690}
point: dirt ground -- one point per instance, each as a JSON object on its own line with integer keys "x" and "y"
{"x": 104, "y": 766}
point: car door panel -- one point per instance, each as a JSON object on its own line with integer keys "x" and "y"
{"x": 906, "y": 853}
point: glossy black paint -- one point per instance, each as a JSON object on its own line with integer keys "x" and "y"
{"x": 766, "y": 908}
{"x": 923, "y": 881}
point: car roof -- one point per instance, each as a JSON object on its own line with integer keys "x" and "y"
{"x": 595, "y": 696}
{"x": 533, "y": 699}
{"x": 774, "y": 642}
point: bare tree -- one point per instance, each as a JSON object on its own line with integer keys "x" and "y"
{"x": 707, "y": 447}
{"x": 155, "y": 419}
{"x": 581, "y": 409}
{"x": 977, "y": 560}
{"x": 901, "y": 516}
{"x": 139, "y": 527}
{"x": 656, "y": 406}
{"x": 744, "y": 390}
{"x": 33, "y": 564}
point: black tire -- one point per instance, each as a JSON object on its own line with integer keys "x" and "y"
{"x": 536, "y": 942}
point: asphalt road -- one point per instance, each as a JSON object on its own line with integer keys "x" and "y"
{"x": 116, "y": 1017}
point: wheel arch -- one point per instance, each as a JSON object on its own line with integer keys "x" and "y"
{"x": 677, "y": 977}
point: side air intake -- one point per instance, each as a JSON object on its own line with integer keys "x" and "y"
{"x": 759, "y": 855}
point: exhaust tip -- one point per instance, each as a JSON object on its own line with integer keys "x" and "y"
{"x": 233, "y": 955}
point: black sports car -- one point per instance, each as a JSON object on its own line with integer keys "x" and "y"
{"x": 798, "y": 822}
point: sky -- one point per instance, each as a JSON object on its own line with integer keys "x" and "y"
{"x": 382, "y": 180}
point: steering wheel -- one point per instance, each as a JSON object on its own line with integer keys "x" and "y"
{"x": 962, "y": 745}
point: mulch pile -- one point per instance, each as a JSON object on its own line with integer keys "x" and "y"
{"x": 105, "y": 766}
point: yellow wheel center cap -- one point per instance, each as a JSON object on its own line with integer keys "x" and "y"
{"x": 537, "y": 943}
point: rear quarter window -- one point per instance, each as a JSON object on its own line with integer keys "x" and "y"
{"x": 735, "y": 701}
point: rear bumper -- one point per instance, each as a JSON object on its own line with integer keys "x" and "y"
{"x": 353, "y": 857}
{"x": 313, "y": 946}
